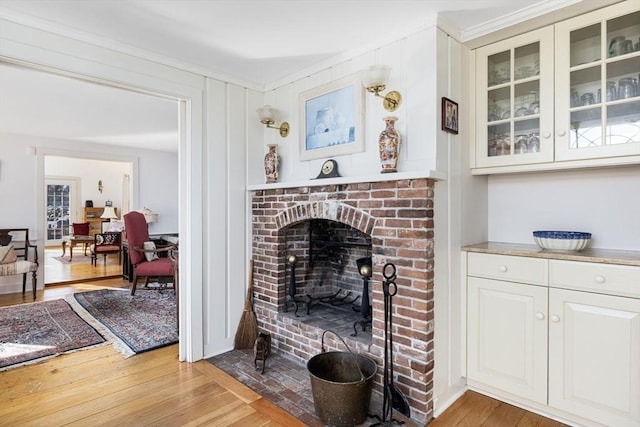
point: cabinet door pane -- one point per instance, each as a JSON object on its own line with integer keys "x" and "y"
{"x": 527, "y": 61}
{"x": 585, "y": 45}
{"x": 499, "y": 68}
{"x": 623, "y": 33}
{"x": 623, "y": 123}
{"x": 586, "y": 128}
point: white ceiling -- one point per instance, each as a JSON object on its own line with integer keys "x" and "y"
{"x": 252, "y": 42}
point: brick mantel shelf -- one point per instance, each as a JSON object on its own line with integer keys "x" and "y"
{"x": 433, "y": 175}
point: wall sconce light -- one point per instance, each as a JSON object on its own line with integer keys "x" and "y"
{"x": 267, "y": 117}
{"x": 100, "y": 186}
{"x": 375, "y": 79}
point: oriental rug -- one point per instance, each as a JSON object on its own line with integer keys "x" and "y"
{"x": 135, "y": 324}
{"x": 29, "y": 332}
{"x": 78, "y": 258}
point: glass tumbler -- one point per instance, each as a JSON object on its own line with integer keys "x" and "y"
{"x": 627, "y": 88}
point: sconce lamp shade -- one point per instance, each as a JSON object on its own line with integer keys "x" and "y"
{"x": 109, "y": 213}
{"x": 149, "y": 215}
{"x": 376, "y": 76}
{"x": 267, "y": 114}
{"x": 375, "y": 79}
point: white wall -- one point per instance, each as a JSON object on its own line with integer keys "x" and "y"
{"x": 157, "y": 186}
{"x": 424, "y": 67}
{"x": 413, "y": 74}
{"x": 604, "y": 202}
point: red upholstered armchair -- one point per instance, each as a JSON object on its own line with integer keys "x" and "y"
{"x": 145, "y": 261}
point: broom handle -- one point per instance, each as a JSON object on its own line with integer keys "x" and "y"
{"x": 250, "y": 286}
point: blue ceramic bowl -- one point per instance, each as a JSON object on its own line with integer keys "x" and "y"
{"x": 562, "y": 240}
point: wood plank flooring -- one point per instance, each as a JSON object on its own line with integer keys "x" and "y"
{"x": 98, "y": 387}
{"x": 474, "y": 409}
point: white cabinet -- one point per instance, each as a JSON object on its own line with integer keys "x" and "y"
{"x": 555, "y": 335}
{"x": 594, "y": 356}
{"x": 507, "y": 345}
{"x": 514, "y": 100}
{"x": 563, "y": 96}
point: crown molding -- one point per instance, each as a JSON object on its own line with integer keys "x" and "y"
{"x": 532, "y": 17}
{"x": 106, "y": 43}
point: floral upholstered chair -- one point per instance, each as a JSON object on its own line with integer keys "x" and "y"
{"x": 10, "y": 257}
{"x": 144, "y": 255}
{"x": 105, "y": 244}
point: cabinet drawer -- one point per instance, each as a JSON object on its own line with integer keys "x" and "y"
{"x": 509, "y": 268}
{"x": 595, "y": 277}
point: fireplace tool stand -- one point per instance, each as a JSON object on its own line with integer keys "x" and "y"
{"x": 292, "y": 260}
{"x": 364, "y": 268}
{"x": 392, "y": 397}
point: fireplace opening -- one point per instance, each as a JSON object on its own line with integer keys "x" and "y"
{"x": 327, "y": 280}
{"x": 393, "y": 222}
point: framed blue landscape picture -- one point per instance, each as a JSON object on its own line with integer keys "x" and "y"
{"x": 331, "y": 119}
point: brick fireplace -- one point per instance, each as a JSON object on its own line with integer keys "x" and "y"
{"x": 390, "y": 221}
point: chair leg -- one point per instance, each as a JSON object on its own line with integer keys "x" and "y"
{"x": 34, "y": 283}
{"x": 135, "y": 282}
{"x": 24, "y": 282}
{"x": 105, "y": 259}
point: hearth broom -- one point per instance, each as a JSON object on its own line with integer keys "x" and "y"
{"x": 248, "y": 327}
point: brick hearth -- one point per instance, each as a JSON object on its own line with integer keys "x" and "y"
{"x": 398, "y": 216}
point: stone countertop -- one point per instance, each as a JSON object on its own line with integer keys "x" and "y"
{"x": 605, "y": 256}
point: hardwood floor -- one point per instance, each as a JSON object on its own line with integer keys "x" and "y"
{"x": 56, "y": 272}
{"x": 98, "y": 387}
{"x": 474, "y": 409}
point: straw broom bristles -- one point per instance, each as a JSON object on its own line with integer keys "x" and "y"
{"x": 248, "y": 327}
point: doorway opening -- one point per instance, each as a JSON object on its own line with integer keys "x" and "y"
{"x": 81, "y": 199}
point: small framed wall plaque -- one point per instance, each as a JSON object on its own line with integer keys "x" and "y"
{"x": 449, "y": 116}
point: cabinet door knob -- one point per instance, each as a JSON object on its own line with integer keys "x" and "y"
{"x": 555, "y": 318}
{"x": 561, "y": 133}
{"x": 503, "y": 268}
{"x": 546, "y": 135}
{"x": 600, "y": 279}
{"x": 540, "y": 316}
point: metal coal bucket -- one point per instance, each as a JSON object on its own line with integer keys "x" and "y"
{"x": 341, "y": 384}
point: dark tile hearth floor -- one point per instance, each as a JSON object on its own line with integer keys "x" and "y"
{"x": 285, "y": 382}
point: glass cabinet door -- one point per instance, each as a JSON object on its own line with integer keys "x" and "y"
{"x": 597, "y": 93}
{"x": 514, "y": 101}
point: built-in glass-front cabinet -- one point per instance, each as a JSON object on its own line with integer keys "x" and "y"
{"x": 564, "y": 93}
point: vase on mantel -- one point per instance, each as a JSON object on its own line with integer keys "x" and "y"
{"x": 272, "y": 164}
{"x": 389, "y": 146}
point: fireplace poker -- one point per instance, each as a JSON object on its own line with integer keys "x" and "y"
{"x": 392, "y": 396}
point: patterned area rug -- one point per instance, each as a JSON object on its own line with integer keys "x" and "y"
{"x": 43, "y": 329}
{"x": 78, "y": 258}
{"x": 143, "y": 322}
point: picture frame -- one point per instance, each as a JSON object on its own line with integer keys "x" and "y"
{"x": 449, "y": 116}
{"x": 331, "y": 119}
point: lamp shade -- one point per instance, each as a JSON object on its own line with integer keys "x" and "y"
{"x": 376, "y": 75}
{"x": 109, "y": 213}
{"x": 267, "y": 114}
